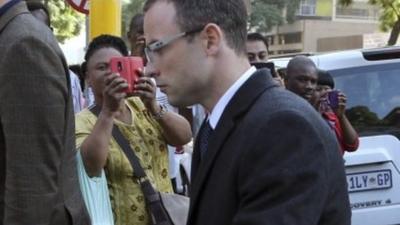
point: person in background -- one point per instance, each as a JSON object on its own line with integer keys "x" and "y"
{"x": 301, "y": 77}
{"x": 333, "y": 111}
{"x": 304, "y": 79}
{"x": 263, "y": 155}
{"x": 257, "y": 48}
{"x": 38, "y": 175}
{"x": 87, "y": 92}
{"x": 147, "y": 125}
{"x": 40, "y": 12}
{"x": 78, "y": 99}
{"x": 135, "y": 36}
{"x": 77, "y": 69}
{"x": 257, "y": 52}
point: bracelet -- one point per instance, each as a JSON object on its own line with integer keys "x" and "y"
{"x": 161, "y": 113}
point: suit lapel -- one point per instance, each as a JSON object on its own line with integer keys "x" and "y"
{"x": 14, "y": 11}
{"x": 196, "y": 154}
{"x": 238, "y": 105}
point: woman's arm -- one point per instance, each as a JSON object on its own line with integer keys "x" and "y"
{"x": 176, "y": 129}
{"x": 95, "y": 147}
{"x": 350, "y": 136}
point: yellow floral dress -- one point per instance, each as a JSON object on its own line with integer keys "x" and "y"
{"x": 145, "y": 137}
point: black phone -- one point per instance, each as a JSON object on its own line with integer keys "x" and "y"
{"x": 268, "y": 65}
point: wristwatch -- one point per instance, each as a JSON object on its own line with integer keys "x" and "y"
{"x": 161, "y": 113}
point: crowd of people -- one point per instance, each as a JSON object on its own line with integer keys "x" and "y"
{"x": 267, "y": 146}
{"x": 303, "y": 78}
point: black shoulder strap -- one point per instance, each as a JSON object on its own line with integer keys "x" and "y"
{"x": 124, "y": 144}
{"x": 151, "y": 195}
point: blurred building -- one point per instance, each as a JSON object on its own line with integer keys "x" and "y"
{"x": 74, "y": 48}
{"x": 324, "y": 25}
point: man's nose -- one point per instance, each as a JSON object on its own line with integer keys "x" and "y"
{"x": 151, "y": 71}
{"x": 310, "y": 85}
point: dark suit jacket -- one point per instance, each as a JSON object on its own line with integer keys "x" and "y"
{"x": 38, "y": 177}
{"x": 271, "y": 160}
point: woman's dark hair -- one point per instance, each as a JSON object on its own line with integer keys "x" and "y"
{"x": 325, "y": 78}
{"x": 106, "y": 41}
{"x": 84, "y": 68}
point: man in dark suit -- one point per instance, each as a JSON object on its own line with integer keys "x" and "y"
{"x": 263, "y": 155}
{"x": 38, "y": 177}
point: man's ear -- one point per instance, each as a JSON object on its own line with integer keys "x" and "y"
{"x": 213, "y": 38}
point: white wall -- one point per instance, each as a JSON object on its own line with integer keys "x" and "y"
{"x": 74, "y": 49}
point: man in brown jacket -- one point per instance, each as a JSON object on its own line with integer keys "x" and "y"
{"x": 38, "y": 177}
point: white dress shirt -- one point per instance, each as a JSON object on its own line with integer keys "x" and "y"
{"x": 219, "y": 108}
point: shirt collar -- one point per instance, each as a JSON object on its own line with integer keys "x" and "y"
{"x": 7, "y": 6}
{"x": 224, "y": 100}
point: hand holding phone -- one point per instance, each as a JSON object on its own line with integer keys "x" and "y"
{"x": 127, "y": 68}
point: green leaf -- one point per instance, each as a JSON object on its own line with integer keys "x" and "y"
{"x": 390, "y": 13}
{"x": 269, "y": 13}
{"x": 66, "y": 22}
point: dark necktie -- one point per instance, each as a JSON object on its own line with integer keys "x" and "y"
{"x": 204, "y": 137}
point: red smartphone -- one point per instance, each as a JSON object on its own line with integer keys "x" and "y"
{"x": 127, "y": 67}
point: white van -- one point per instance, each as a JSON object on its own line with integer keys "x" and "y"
{"x": 371, "y": 81}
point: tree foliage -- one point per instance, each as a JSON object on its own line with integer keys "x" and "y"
{"x": 389, "y": 18}
{"x": 66, "y": 22}
{"x": 266, "y": 14}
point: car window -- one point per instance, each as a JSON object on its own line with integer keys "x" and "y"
{"x": 373, "y": 97}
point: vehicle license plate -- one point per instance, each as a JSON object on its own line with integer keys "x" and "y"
{"x": 370, "y": 180}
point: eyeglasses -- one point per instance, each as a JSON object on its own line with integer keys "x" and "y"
{"x": 156, "y": 46}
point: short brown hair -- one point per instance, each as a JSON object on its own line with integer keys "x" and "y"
{"x": 230, "y": 15}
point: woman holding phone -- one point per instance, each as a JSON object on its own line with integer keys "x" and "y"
{"x": 332, "y": 106}
{"x": 146, "y": 125}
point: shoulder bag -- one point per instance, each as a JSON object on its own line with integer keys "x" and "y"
{"x": 164, "y": 208}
